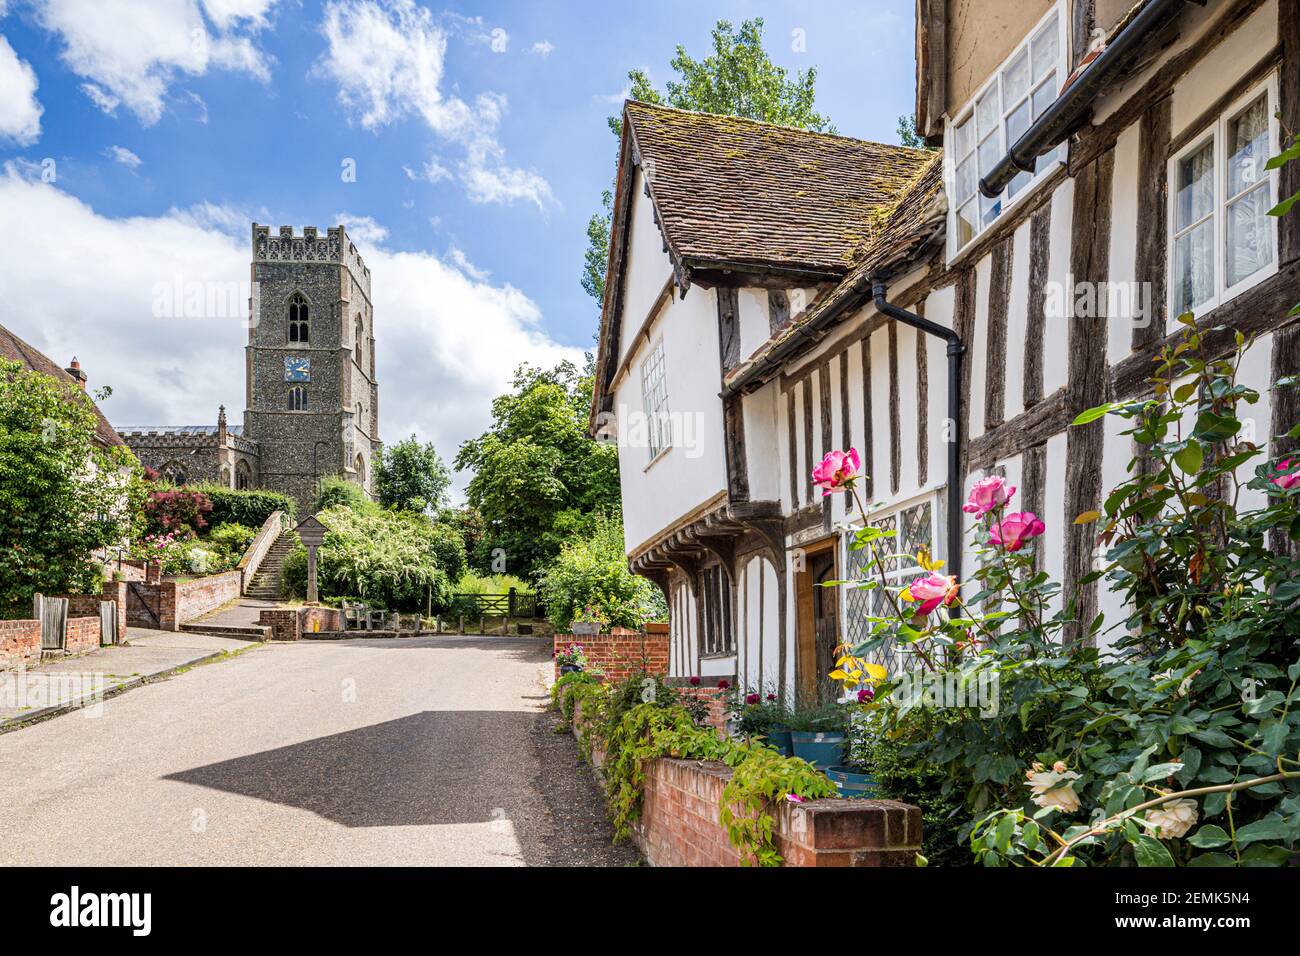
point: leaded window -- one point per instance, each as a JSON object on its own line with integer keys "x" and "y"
{"x": 299, "y": 318}
{"x": 654, "y": 398}
{"x": 718, "y": 633}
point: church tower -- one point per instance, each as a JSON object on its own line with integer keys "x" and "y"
{"x": 313, "y": 403}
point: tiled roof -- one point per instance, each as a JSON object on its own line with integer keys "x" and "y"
{"x": 730, "y": 190}
{"x": 16, "y": 350}
{"x": 178, "y": 429}
{"x": 898, "y": 231}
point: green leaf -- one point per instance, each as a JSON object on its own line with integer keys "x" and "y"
{"x": 1213, "y": 736}
{"x": 1272, "y": 827}
{"x": 1150, "y": 852}
{"x": 1092, "y": 414}
{"x": 1208, "y": 836}
{"x": 1190, "y": 458}
{"x": 1284, "y": 207}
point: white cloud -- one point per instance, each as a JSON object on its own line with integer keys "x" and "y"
{"x": 120, "y": 154}
{"x": 361, "y": 229}
{"x": 130, "y": 52}
{"x": 4, "y": 7}
{"x": 462, "y": 262}
{"x": 447, "y": 341}
{"x": 543, "y": 48}
{"x": 388, "y": 59}
{"x": 20, "y": 111}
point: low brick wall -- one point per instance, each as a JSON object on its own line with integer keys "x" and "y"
{"x": 620, "y": 652}
{"x": 316, "y": 619}
{"x": 20, "y": 643}
{"x": 680, "y": 822}
{"x": 283, "y": 622}
{"x": 178, "y": 602}
{"x": 87, "y": 605}
{"x": 82, "y": 634}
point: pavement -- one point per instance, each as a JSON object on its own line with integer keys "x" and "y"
{"x": 429, "y": 751}
{"x": 83, "y": 681}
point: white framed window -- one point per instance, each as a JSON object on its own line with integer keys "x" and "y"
{"x": 654, "y": 400}
{"x": 1221, "y": 239}
{"x": 998, "y": 115}
{"x": 917, "y": 523}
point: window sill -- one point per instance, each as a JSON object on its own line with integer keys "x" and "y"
{"x": 718, "y": 656}
{"x": 663, "y": 452}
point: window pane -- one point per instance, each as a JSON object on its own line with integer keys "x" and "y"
{"x": 1045, "y": 50}
{"x": 963, "y": 138}
{"x": 1250, "y": 235}
{"x": 1044, "y": 96}
{"x": 1247, "y": 147}
{"x": 1020, "y": 182}
{"x": 1195, "y": 186}
{"x": 965, "y": 180}
{"x": 1015, "y": 79}
{"x": 990, "y": 152}
{"x": 1194, "y": 267}
{"x": 988, "y": 113}
{"x": 1048, "y": 159}
{"x": 1017, "y": 123}
{"x": 990, "y": 209}
{"x": 966, "y": 227}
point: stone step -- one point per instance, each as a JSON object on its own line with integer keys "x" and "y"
{"x": 254, "y": 632}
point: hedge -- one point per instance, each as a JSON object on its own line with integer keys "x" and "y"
{"x": 249, "y": 508}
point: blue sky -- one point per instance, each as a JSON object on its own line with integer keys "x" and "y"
{"x": 477, "y": 129}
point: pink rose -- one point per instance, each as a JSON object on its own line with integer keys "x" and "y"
{"x": 751, "y": 699}
{"x": 933, "y": 589}
{"x": 838, "y": 470}
{"x": 1014, "y": 530}
{"x": 723, "y": 684}
{"x": 866, "y": 694}
{"x": 987, "y": 494}
{"x": 695, "y": 682}
{"x": 1286, "y": 482}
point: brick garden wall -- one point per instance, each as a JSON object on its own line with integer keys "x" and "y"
{"x": 20, "y": 643}
{"x": 328, "y": 618}
{"x": 621, "y": 652}
{"x": 87, "y": 605}
{"x": 82, "y": 634}
{"x": 177, "y": 602}
{"x": 283, "y": 623}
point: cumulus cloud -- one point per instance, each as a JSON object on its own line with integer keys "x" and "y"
{"x": 543, "y": 48}
{"x": 388, "y": 59}
{"x": 447, "y": 340}
{"x": 130, "y": 52}
{"x": 120, "y": 154}
{"x": 20, "y": 112}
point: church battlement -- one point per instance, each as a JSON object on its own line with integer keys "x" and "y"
{"x": 310, "y": 246}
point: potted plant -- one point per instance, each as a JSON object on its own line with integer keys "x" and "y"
{"x": 764, "y": 717}
{"x": 855, "y": 777}
{"x": 589, "y": 622}
{"x": 817, "y": 733}
{"x": 573, "y": 658}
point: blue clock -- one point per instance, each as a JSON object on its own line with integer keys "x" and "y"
{"x": 297, "y": 369}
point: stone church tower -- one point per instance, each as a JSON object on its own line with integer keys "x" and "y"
{"x": 312, "y": 399}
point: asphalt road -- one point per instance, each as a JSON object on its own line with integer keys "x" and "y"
{"x": 431, "y": 751}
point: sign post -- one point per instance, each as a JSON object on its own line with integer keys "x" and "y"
{"x": 311, "y": 533}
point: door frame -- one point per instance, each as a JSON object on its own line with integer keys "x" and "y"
{"x": 805, "y": 629}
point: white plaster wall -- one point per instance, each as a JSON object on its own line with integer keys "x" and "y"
{"x": 754, "y": 324}
{"x": 1257, "y": 419}
{"x": 1053, "y": 546}
{"x": 647, "y": 268}
{"x": 908, "y": 413}
{"x": 1017, "y": 323}
{"x": 1211, "y": 77}
{"x": 1056, "y": 332}
{"x": 764, "y": 437}
{"x": 1123, "y": 244}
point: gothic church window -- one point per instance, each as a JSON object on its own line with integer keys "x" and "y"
{"x": 298, "y": 399}
{"x": 360, "y": 342}
{"x": 299, "y": 319}
{"x": 174, "y": 472}
{"x": 243, "y": 476}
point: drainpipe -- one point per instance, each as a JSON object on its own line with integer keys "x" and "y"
{"x": 956, "y": 348}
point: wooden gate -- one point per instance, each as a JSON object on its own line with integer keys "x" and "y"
{"x": 108, "y": 622}
{"x": 143, "y": 593}
{"x": 53, "y": 615}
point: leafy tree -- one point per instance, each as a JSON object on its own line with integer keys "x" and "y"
{"x": 907, "y": 134}
{"x": 536, "y": 471}
{"x": 737, "y": 79}
{"x": 411, "y": 476}
{"x": 61, "y": 495}
{"x": 592, "y": 571}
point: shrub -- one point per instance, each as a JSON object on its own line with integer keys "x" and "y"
{"x": 593, "y": 571}
{"x": 177, "y": 511}
{"x": 233, "y": 537}
{"x": 334, "y": 491}
{"x": 471, "y": 583}
{"x": 248, "y": 508}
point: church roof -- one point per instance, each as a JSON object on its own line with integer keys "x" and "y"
{"x": 177, "y": 429}
{"x": 27, "y": 355}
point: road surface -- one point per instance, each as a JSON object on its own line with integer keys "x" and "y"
{"x": 418, "y": 751}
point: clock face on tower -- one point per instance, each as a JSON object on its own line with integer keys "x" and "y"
{"x": 297, "y": 369}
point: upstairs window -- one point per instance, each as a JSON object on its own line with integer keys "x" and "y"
{"x": 298, "y": 399}
{"x": 654, "y": 398}
{"x": 298, "y": 318}
{"x": 1221, "y": 238}
{"x": 1000, "y": 113}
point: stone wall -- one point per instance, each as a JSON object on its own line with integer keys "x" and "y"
{"x": 20, "y": 643}
{"x": 620, "y": 652}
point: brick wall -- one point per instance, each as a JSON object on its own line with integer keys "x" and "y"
{"x": 87, "y": 605}
{"x": 283, "y": 622}
{"x": 620, "y": 652}
{"x": 197, "y": 596}
{"x": 680, "y": 823}
{"x": 82, "y": 634}
{"x": 320, "y": 619}
{"x": 20, "y": 643}
{"x": 715, "y": 698}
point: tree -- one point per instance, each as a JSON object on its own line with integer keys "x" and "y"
{"x": 907, "y": 134}
{"x": 537, "y": 474}
{"x": 61, "y": 495}
{"x": 411, "y": 476}
{"x": 737, "y": 79}
{"x": 591, "y": 571}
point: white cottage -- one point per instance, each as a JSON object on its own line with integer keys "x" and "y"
{"x": 773, "y": 294}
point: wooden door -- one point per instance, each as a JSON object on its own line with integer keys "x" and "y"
{"x": 817, "y": 624}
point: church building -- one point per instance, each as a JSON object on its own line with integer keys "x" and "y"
{"x": 312, "y": 402}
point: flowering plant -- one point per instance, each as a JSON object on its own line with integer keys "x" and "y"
{"x": 574, "y": 655}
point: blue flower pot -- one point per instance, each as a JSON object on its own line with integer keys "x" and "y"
{"x": 779, "y": 738}
{"x": 821, "y": 749}
{"x": 854, "y": 785}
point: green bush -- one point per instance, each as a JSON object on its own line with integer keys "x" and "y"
{"x": 249, "y": 508}
{"x": 471, "y": 583}
{"x": 593, "y": 571}
{"x": 336, "y": 492}
{"x": 233, "y": 537}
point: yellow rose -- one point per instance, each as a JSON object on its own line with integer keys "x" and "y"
{"x": 1173, "y": 819}
{"x": 1053, "y": 788}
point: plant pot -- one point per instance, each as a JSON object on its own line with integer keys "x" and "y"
{"x": 585, "y": 628}
{"x": 854, "y": 785}
{"x": 569, "y": 669}
{"x": 779, "y": 737}
{"x": 821, "y": 749}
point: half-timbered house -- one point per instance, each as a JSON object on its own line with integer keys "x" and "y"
{"x": 774, "y": 294}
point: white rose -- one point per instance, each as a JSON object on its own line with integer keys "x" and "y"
{"x": 1173, "y": 819}
{"x": 1052, "y": 788}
